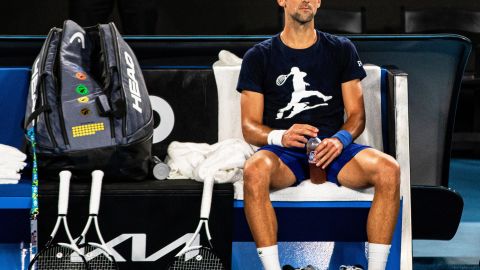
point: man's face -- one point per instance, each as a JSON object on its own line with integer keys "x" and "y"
{"x": 301, "y": 11}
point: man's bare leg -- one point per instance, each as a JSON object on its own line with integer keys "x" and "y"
{"x": 263, "y": 171}
{"x": 374, "y": 168}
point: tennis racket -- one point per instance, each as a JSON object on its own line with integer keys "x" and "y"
{"x": 57, "y": 255}
{"x": 198, "y": 257}
{"x": 282, "y": 79}
{"x": 97, "y": 254}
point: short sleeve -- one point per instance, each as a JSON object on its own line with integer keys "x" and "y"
{"x": 251, "y": 72}
{"x": 352, "y": 65}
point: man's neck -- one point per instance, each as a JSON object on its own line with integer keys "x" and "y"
{"x": 299, "y": 36}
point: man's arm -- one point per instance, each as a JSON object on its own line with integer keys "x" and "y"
{"x": 330, "y": 148}
{"x": 254, "y": 132}
{"x": 354, "y": 108}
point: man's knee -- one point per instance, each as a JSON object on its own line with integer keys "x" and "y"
{"x": 387, "y": 174}
{"x": 256, "y": 175}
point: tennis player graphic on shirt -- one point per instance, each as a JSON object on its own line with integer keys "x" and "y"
{"x": 299, "y": 92}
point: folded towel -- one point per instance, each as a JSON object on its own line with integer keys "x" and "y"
{"x": 10, "y": 166}
{"x": 8, "y": 181}
{"x": 8, "y": 152}
{"x": 9, "y": 175}
{"x": 14, "y": 166}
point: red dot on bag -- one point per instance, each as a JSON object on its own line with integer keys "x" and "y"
{"x": 81, "y": 76}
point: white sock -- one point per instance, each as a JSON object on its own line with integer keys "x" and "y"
{"x": 377, "y": 256}
{"x": 269, "y": 257}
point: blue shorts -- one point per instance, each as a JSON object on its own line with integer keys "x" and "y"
{"x": 296, "y": 160}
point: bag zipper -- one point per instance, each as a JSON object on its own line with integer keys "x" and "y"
{"x": 42, "y": 88}
{"x": 119, "y": 65}
{"x": 109, "y": 76}
{"x": 59, "y": 95}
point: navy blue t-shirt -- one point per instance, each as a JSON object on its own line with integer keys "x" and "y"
{"x": 302, "y": 86}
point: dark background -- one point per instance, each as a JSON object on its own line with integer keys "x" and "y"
{"x": 214, "y": 17}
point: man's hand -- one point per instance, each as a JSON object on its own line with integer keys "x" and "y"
{"x": 295, "y": 135}
{"x": 327, "y": 151}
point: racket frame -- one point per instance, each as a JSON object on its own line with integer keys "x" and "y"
{"x": 204, "y": 216}
{"x": 63, "y": 197}
{"x": 95, "y": 195}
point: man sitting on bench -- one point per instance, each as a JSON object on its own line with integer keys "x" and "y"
{"x": 297, "y": 85}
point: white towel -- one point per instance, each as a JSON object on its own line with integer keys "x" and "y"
{"x": 183, "y": 158}
{"x": 227, "y": 58}
{"x": 11, "y": 153}
{"x": 15, "y": 166}
{"x": 307, "y": 191}
{"x": 9, "y": 175}
{"x": 8, "y": 181}
{"x": 372, "y": 135}
{"x": 226, "y": 73}
{"x": 223, "y": 161}
{"x": 11, "y": 163}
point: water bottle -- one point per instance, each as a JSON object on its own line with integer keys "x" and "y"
{"x": 160, "y": 170}
{"x": 317, "y": 174}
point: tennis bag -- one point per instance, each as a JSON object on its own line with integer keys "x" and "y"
{"x": 89, "y": 105}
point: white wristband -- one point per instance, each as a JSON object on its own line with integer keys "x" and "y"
{"x": 275, "y": 137}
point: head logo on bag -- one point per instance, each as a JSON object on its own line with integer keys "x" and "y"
{"x": 133, "y": 83}
{"x": 93, "y": 110}
{"x": 79, "y": 37}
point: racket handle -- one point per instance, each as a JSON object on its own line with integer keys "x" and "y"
{"x": 96, "y": 191}
{"x": 63, "y": 192}
{"x": 206, "y": 198}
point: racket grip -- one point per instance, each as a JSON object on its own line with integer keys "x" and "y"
{"x": 63, "y": 192}
{"x": 206, "y": 198}
{"x": 96, "y": 191}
